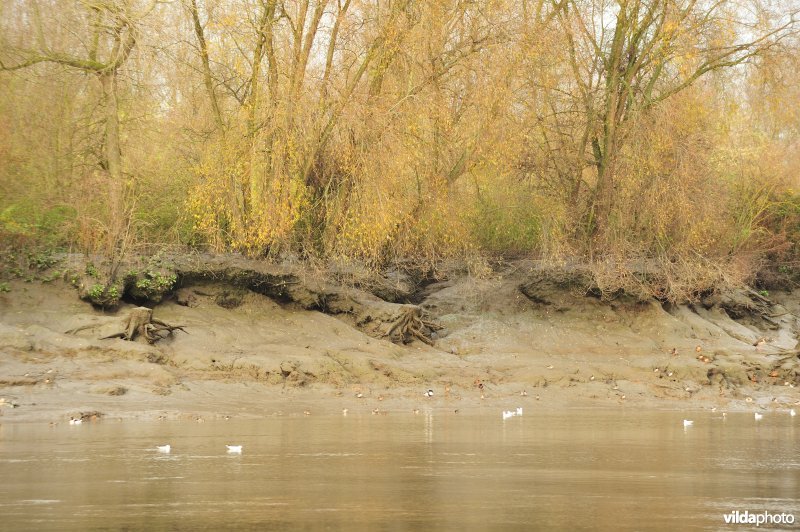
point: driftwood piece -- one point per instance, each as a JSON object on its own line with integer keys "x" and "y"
{"x": 140, "y": 322}
{"x": 76, "y": 330}
{"x": 788, "y": 355}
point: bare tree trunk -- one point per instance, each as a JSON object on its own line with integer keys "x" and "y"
{"x": 216, "y": 111}
{"x": 340, "y": 15}
{"x": 605, "y": 148}
{"x": 208, "y": 80}
{"x": 264, "y": 45}
{"x": 113, "y": 154}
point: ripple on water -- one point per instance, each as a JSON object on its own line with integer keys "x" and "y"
{"x": 556, "y": 471}
{"x": 326, "y": 455}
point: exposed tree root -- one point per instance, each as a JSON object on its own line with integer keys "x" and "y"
{"x": 411, "y": 326}
{"x": 76, "y": 330}
{"x": 789, "y": 354}
{"x": 140, "y": 322}
{"x": 400, "y": 323}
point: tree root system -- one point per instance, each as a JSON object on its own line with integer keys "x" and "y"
{"x": 140, "y": 322}
{"x": 400, "y": 323}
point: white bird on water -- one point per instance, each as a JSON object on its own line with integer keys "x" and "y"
{"x": 75, "y": 421}
{"x": 511, "y": 413}
{"x": 758, "y": 416}
{"x": 792, "y": 412}
{"x": 688, "y": 422}
{"x": 164, "y": 448}
{"x": 234, "y": 448}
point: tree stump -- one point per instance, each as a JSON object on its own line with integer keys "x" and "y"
{"x": 410, "y": 325}
{"x": 140, "y": 322}
{"x": 399, "y": 323}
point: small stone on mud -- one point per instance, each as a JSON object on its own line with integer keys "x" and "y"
{"x": 112, "y": 390}
{"x": 156, "y": 358}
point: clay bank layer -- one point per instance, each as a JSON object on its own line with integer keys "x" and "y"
{"x": 233, "y": 337}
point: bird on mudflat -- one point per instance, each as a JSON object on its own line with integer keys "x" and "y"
{"x": 234, "y": 448}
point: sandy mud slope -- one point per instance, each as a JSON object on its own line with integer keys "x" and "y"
{"x": 521, "y": 336}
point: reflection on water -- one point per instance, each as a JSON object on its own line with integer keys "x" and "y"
{"x": 577, "y": 469}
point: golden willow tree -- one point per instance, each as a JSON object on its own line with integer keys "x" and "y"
{"x": 101, "y": 37}
{"x": 626, "y": 57}
{"x": 630, "y": 132}
{"x": 382, "y": 129}
{"x": 284, "y": 106}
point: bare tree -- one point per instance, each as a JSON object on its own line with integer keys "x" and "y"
{"x": 111, "y": 37}
{"x": 627, "y": 56}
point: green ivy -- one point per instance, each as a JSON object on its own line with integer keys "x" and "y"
{"x": 96, "y": 291}
{"x": 91, "y": 271}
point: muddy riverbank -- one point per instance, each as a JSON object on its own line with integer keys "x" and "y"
{"x": 518, "y": 336}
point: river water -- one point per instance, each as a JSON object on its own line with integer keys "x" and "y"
{"x": 579, "y": 469}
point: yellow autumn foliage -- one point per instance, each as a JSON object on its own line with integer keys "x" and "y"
{"x": 406, "y": 131}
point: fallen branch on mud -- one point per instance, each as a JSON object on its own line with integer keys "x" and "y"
{"x": 789, "y": 354}
{"x": 140, "y": 322}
